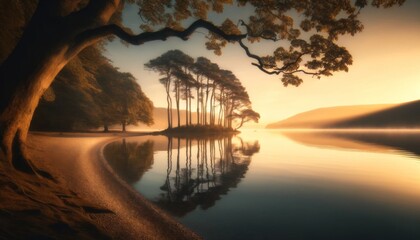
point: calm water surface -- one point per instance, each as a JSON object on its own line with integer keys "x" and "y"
{"x": 281, "y": 185}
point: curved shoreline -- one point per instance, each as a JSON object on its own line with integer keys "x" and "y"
{"x": 83, "y": 169}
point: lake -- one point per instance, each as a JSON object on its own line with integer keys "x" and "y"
{"x": 264, "y": 184}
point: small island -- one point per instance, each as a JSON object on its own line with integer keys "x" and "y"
{"x": 199, "y": 131}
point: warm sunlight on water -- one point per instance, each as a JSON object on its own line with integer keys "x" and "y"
{"x": 281, "y": 185}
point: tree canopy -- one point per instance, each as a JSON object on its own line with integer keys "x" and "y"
{"x": 306, "y": 31}
{"x": 88, "y": 93}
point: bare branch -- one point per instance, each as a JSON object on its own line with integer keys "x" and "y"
{"x": 93, "y": 35}
{"x": 276, "y": 70}
{"x": 306, "y": 72}
{"x": 260, "y": 63}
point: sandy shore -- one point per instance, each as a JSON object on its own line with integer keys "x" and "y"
{"x": 85, "y": 190}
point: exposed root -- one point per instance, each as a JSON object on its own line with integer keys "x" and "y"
{"x": 46, "y": 205}
{"x": 21, "y": 162}
{"x": 19, "y": 158}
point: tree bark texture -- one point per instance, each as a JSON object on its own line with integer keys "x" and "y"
{"x": 46, "y": 46}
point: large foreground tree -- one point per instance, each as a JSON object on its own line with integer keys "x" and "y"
{"x": 58, "y": 30}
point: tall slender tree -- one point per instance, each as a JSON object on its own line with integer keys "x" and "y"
{"x": 166, "y": 65}
{"x": 215, "y": 88}
{"x": 203, "y": 68}
{"x": 184, "y": 80}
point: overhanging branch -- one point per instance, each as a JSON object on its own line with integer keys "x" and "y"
{"x": 277, "y": 70}
{"x": 260, "y": 63}
{"x": 90, "y": 36}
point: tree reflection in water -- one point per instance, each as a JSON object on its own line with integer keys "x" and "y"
{"x": 130, "y": 160}
{"x": 199, "y": 170}
{"x": 207, "y": 172}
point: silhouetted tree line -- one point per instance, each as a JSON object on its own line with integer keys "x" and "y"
{"x": 88, "y": 93}
{"x": 220, "y": 98}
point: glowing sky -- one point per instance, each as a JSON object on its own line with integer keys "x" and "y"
{"x": 386, "y": 66}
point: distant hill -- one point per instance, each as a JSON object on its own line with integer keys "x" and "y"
{"x": 405, "y": 115}
{"x": 325, "y": 117}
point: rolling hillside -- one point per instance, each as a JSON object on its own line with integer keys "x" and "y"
{"x": 406, "y": 115}
{"x": 325, "y": 117}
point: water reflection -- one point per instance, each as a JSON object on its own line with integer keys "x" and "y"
{"x": 208, "y": 171}
{"x": 130, "y": 160}
{"x": 375, "y": 141}
{"x": 198, "y": 170}
{"x": 308, "y": 185}
{"x": 404, "y": 141}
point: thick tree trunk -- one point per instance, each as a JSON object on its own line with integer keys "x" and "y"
{"x": 106, "y": 128}
{"x": 45, "y": 47}
{"x": 17, "y": 109}
{"x": 123, "y": 124}
{"x": 24, "y": 77}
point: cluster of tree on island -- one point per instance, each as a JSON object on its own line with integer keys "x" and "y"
{"x": 220, "y": 98}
